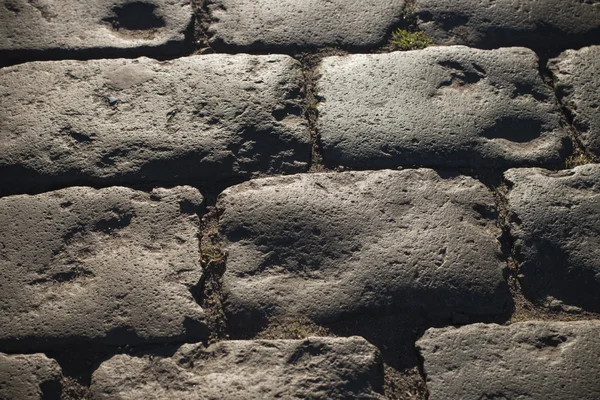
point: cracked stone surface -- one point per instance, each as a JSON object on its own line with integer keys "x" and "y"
{"x": 31, "y": 27}
{"x": 543, "y": 25}
{"x": 292, "y": 25}
{"x": 109, "y": 266}
{"x": 120, "y": 121}
{"x": 438, "y": 107}
{"x": 29, "y": 377}
{"x": 331, "y": 245}
{"x": 555, "y": 223}
{"x": 529, "y": 360}
{"x": 314, "y": 368}
{"x": 578, "y": 85}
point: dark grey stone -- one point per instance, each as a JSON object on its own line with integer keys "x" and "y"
{"x": 530, "y": 360}
{"x": 37, "y": 28}
{"x": 331, "y": 245}
{"x": 112, "y": 266}
{"x": 29, "y": 377}
{"x": 577, "y": 81}
{"x": 194, "y": 118}
{"x": 312, "y": 369}
{"x": 547, "y": 25}
{"x": 440, "y": 107}
{"x": 555, "y": 222}
{"x": 292, "y": 25}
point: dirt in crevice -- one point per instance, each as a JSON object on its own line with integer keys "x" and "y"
{"x": 213, "y": 258}
{"x": 78, "y": 363}
{"x": 202, "y": 20}
{"x": 395, "y": 337}
{"x": 310, "y": 62}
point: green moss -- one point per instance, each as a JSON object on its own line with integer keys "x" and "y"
{"x": 406, "y": 40}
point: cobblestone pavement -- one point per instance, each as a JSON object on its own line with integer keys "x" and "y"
{"x": 300, "y": 199}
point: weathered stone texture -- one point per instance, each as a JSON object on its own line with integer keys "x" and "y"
{"x": 113, "y": 266}
{"x": 292, "y": 25}
{"x": 577, "y": 81}
{"x": 29, "y": 377}
{"x": 543, "y": 25}
{"x": 31, "y": 27}
{"x": 121, "y": 121}
{"x": 555, "y": 221}
{"x": 314, "y": 368}
{"x": 331, "y": 245}
{"x": 442, "y": 106}
{"x": 530, "y": 360}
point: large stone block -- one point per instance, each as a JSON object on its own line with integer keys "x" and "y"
{"x": 29, "y": 377}
{"x": 547, "y": 25}
{"x": 112, "y": 266}
{"x": 441, "y": 107}
{"x": 555, "y": 222}
{"x": 130, "y": 121}
{"x": 314, "y": 368}
{"x": 41, "y": 28}
{"x": 293, "y": 25}
{"x": 578, "y": 85}
{"x": 530, "y": 360}
{"x": 332, "y": 245}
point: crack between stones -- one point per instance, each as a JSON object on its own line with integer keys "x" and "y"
{"x": 203, "y": 18}
{"x": 579, "y": 154}
{"x": 209, "y": 293}
{"x": 310, "y": 63}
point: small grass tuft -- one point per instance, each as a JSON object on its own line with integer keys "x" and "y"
{"x": 577, "y": 160}
{"x": 211, "y": 256}
{"x": 405, "y": 40}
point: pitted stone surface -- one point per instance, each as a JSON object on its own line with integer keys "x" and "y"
{"x": 335, "y": 244}
{"x": 314, "y": 368}
{"x": 121, "y": 121}
{"x": 555, "y": 222}
{"x": 529, "y": 360}
{"x": 29, "y": 377}
{"x": 442, "y": 106}
{"x": 542, "y": 25}
{"x": 105, "y": 25}
{"x": 291, "y": 25}
{"x": 578, "y": 85}
{"x": 113, "y": 266}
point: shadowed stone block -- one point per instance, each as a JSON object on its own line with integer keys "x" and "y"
{"x": 555, "y": 222}
{"x": 332, "y": 245}
{"x": 35, "y": 28}
{"x": 442, "y": 107}
{"x": 112, "y": 266}
{"x": 529, "y": 360}
{"x": 578, "y": 85}
{"x": 314, "y": 368}
{"x": 541, "y": 25}
{"x": 130, "y": 121}
{"x": 29, "y": 377}
{"x": 292, "y": 25}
